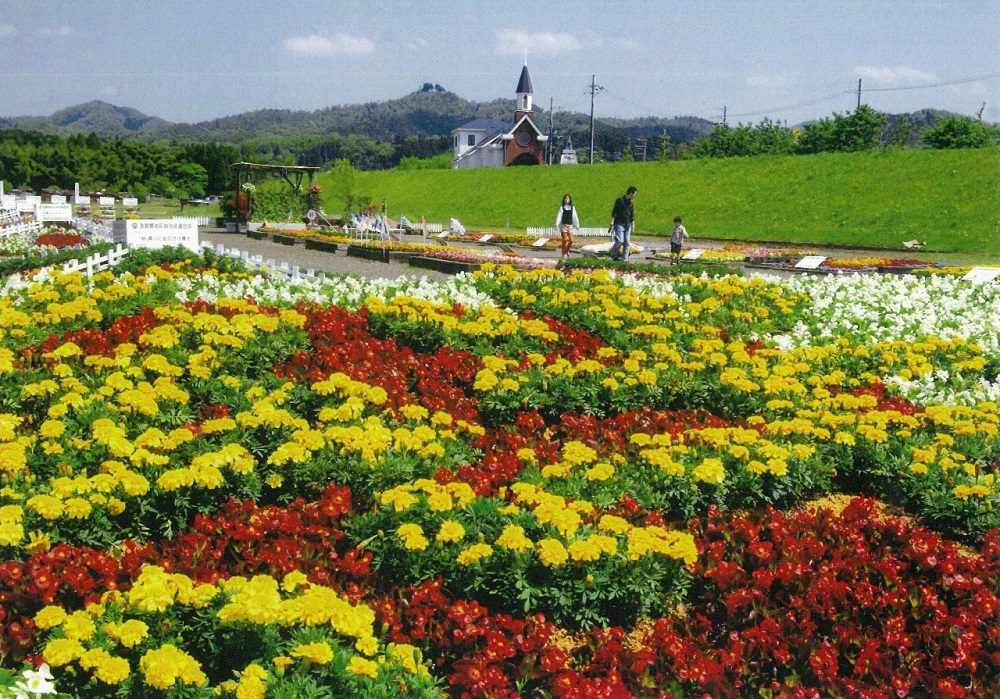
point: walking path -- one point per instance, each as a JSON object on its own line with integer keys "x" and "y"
{"x": 340, "y": 263}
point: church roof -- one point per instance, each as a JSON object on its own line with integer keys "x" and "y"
{"x": 485, "y": 124}
{"x": 524, "y": 84}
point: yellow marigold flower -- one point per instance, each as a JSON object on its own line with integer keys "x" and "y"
{"x": 77, "y": 508}
{"x": 60, "y": 651}
{"x": 107, "y": 668}
{"x": 253, "y": 683}
{"x": 318, "y": 652}
{"x": 439, "y": 501}
{"x": 613, "y": 524}
{"x": 51, "y": 429}
{"x": 513, "y": 537}
{"x": 162, "y": 667}
{"x": 412, "y": 536}
{"x": 600, "y": 472}
{"x": 79, "y": 626}
{"x": 474, "y": 553}
{"x": 11, "y": 533}
{"x": 132, "y": 632}
{"x": 46, "y": 506}
{"x": 367, "y": 645}
{"x": 450, "y": 532}
{"x": 709, "y": 471}
{"x": 362, "y": 666}
{"x": 578, "y": 453}
{"x": 551, "y": 552}
{"x": 294, "y": 581}
{"x": 50, "y": 617}
{"x": 585, "y": 550}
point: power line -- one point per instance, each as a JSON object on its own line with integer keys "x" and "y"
{"x": 944, "y": 84}
{"x": 795, "y": 106}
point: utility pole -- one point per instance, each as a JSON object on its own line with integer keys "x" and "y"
{"x": 594, "y": 89}
{"x": 859, "y": 93}
{"x": 723, "y": 116}
{"x": 551, "y": 101}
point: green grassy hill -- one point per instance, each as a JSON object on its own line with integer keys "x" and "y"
{"x": 951, "y": 199}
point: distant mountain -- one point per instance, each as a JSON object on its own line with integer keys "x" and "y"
{"x": 103, "y": 119}
{"x": 429, "y": 111}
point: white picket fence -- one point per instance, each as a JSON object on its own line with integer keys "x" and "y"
{"x": 13, "y": 228}
{"x": 97, "y": 262}
{"x": 539, "y": 232}
{"x": 277, "y": 269}
{"x": 200, "y": 220}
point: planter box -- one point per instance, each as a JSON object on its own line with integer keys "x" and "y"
{"x": 320, "y": 245}
{"x": 230, "y": 226}
{"x": 287, "y": 239}
{"x": 366, "y": 253}
{"x": 258, "y": 235}
{"x": 446, "y": 266}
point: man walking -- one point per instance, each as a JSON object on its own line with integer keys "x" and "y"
{"x": 622, "y": 225}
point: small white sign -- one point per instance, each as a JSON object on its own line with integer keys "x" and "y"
{"x": 25, "y": 207}
{"x": 486, "y": 238}
{"x": 106, "y": 201}
{"x": 81, "y": 200}
{"x": 160, "y": 232}
{"x": 810, "y": 262}
{"x": 540, "y": 242}
{"x": 58, "y": 199}
{"x": 8, "y": 202}
{"x": 442, "y": 235}
{"x": 53, "y": 212}
{"x": 132, "y": 202}
{"x": 311, "y": 215}
{"x": 981, "y": 275}
{"x": 693, "y": 254}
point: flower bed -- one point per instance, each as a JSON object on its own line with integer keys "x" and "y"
{"x": 517, "y": 483}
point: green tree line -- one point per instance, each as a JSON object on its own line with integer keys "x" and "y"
{"x": 863, "y": 130}
{"x": 36, "y": 161}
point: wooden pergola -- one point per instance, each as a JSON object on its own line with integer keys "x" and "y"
{"x": 292, "y": 174}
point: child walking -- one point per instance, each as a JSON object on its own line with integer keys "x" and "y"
{"x": 676, "y": 238}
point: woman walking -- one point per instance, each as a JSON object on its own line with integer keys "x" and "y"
{"x": 567, "y": 221}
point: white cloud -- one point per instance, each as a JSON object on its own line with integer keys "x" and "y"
{"x": 56, "y": 31}
{"x": 517, "y": 41}
{"x": 418, "y": 44}
{"x": 892, "y": 76}
{"x": 7, "y": 29}
{"x": 317, "y": 45}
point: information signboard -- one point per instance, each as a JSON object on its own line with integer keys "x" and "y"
{"x": 53, "y": 212}
{"x": 810, "y": 262}
{"x": 693, "y": 254}
{"x": 981, "y": 275}
{"x": 158, "y": 233}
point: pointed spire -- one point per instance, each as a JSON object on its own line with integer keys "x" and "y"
{"x": 524, "y": 84}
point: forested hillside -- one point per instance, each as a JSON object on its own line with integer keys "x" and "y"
{"x": 373, "y": 136}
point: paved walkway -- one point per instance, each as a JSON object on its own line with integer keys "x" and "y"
{"x": 340, "y": 263}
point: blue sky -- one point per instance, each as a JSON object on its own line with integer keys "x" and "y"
{"x": 787, "y": 60}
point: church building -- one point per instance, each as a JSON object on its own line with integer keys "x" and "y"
{"x": 496, "y": 143}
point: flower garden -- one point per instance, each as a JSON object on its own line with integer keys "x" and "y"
{"x": 523, "y": 483}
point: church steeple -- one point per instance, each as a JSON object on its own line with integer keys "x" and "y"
{"x": 524, "y": 92}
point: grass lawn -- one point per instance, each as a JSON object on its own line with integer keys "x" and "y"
{"x": 951, "y": 199}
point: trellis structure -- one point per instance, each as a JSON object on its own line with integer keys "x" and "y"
{"x": 292, "y": 174}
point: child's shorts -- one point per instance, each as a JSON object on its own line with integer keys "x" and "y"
{"x": 675, "y": 248}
